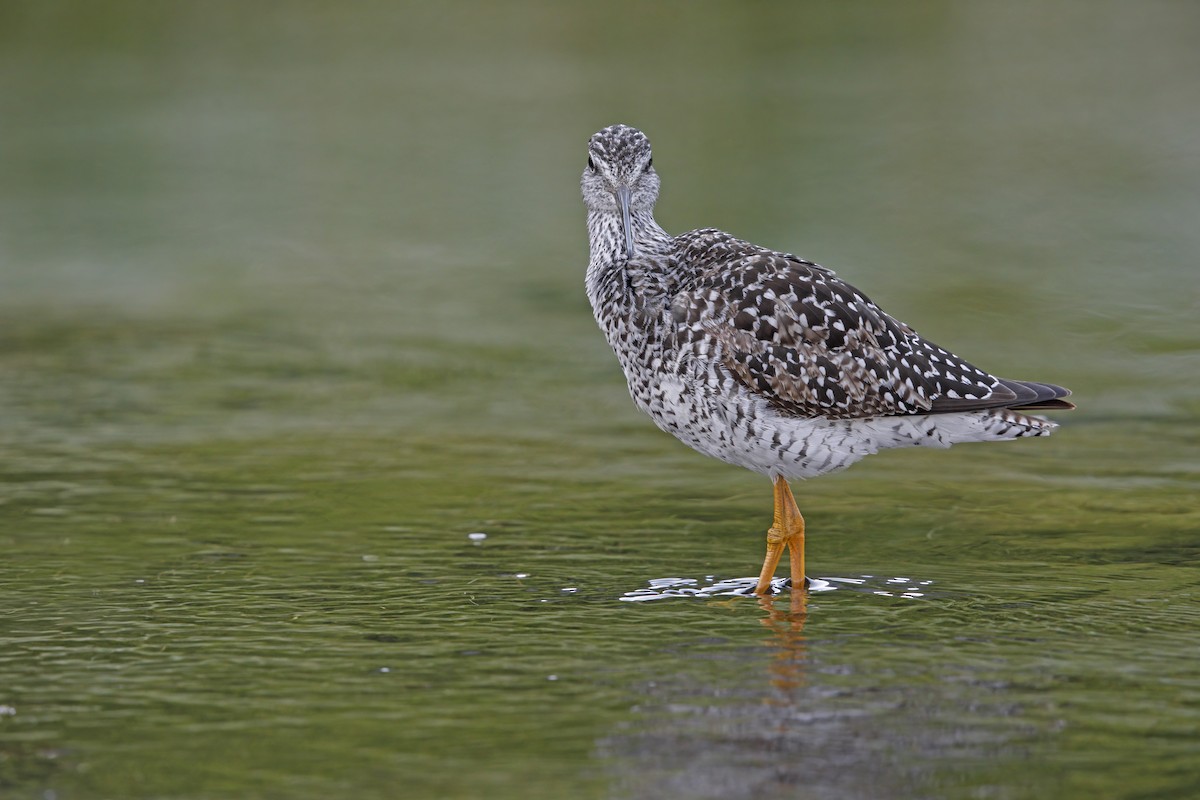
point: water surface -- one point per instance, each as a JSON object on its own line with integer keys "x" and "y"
{"x": 291, "y": 306}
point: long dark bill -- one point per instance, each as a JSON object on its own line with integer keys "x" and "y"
{"x": 624, "y": 199}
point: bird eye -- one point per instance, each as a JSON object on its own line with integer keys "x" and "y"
{"x": 591, "y": 164}
{"x": 650, "y": 162}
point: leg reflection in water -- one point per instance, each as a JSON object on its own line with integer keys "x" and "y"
{"x": 787, "y": 628}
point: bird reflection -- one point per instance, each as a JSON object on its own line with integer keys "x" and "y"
{"x": 786, "y": 623}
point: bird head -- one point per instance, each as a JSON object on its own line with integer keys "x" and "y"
{"x": 619, "y": 177}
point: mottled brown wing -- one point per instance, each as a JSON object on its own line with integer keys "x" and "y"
{"x": 813, "y": 345}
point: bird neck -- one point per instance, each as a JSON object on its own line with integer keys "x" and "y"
{"x": 606, "y": 240}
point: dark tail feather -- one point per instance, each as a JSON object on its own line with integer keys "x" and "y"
{"x": 1038, "y": 396}
{"x": 1017, "y": 395}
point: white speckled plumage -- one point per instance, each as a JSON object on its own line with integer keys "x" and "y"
{"x": 766, "y": 360}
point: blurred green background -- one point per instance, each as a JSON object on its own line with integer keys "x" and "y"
{"x": 291, "y": 302}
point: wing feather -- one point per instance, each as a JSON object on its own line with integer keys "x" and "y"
{"x": 814, "y": 346}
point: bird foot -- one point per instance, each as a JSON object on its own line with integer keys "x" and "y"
{"x": 780, "y": 584}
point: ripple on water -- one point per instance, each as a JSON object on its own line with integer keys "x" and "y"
{"x": 672, "y": 588}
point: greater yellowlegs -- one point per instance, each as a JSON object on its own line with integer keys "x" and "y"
{"x": 766, "y": 360}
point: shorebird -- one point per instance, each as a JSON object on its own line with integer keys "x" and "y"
{"x": 769, "y": 361}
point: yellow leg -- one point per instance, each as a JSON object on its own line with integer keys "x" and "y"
{"x": 796, "y": 543}
{"x": 775, "y": 545}
{"x": 787, "y": 531}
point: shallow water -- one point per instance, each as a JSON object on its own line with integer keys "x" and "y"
{"x": 291, "y": 310}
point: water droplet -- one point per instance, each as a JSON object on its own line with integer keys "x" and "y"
{"x": 477, "y": 536}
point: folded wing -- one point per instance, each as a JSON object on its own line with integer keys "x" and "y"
{"x": 814, "y": 346}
